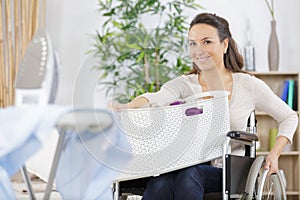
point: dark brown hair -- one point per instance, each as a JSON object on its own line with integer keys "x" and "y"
{"x": 233, "y": 60}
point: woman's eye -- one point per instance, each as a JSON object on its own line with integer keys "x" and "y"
{"x": 192, "y": 43}
{"x": 206, "y": 42}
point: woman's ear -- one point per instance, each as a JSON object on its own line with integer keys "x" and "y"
{"x": 225, "y": 43}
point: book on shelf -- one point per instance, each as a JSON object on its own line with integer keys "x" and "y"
{"x": 285, "y": 90}
{"x": 296, "y": 98}
{"x": 290, "y": 93}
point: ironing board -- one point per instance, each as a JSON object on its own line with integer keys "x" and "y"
{"x": 110, "y": 150}
{"x": 90, "y": 152}
{"x": 78, "y": 121}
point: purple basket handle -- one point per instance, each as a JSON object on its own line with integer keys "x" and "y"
{"x": 176, "y": 103}
{"x": 193, "y": 111}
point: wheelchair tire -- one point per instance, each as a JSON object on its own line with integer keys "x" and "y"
{"x": 259, "y": 186}
{"x": 270, "y": 186}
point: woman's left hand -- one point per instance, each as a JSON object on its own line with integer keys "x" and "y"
{"x": 271, "y": 163}
{"x": 272, "y": 159}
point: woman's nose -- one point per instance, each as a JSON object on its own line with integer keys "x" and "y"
{"x": 199, "y": 49}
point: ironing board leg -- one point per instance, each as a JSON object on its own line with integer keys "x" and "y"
{"x": 54, "y": 164}
{"x": 27, "y": 182}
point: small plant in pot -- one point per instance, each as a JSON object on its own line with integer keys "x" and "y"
{"x": 135, "y": 59}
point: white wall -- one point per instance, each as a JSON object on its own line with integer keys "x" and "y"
{"x": 71, "y": 23}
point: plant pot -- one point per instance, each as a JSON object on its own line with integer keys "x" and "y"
{"x": 273, "y": 49}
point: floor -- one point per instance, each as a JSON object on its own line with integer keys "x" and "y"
{"x": 38, "y": 186}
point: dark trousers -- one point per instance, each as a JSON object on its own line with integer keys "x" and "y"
{"x": 189, "y": 183}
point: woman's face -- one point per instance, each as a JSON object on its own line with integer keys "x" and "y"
{"x": 206, "y": 49}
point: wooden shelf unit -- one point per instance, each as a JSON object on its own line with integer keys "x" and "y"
{"x": 289, "y": 160}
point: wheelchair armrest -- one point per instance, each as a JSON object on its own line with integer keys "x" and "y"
{"x": 242, "y": 135}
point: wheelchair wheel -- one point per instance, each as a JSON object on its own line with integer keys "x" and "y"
{"x": 259, "y": 186}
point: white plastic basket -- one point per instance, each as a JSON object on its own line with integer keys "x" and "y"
{"x": 169, "y": 138}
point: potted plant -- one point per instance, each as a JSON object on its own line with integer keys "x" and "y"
{"x": 135, "y": 59}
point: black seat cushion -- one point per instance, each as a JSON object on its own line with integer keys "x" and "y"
{"x": 213, "y": 196}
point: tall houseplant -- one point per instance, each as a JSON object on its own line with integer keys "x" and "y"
{"x": 136, "y": 59}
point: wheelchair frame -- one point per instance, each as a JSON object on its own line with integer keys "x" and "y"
{"x": 242, "y": 184}
{"x": 233, "y": 183}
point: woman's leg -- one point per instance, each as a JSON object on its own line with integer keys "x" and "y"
{"x": 191, "y": 183}
{"x": 160, "y": 187}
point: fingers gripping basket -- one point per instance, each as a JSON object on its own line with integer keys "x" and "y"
{"x": 173, "y": 137}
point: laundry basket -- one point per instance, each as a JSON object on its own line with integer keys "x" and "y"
{"x": 173, "y": 137}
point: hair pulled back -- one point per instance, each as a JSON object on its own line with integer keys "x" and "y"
{"x": 233, "y": 60}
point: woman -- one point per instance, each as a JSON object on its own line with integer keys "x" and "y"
{"x": 217, "y": 65}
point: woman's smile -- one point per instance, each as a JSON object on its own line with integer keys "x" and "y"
{"x": 202, "y": 58}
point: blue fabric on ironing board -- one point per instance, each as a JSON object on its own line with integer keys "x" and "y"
{"x": 91, "y": 162}
{"x": 6, "y": 190}
{"x": 22, "y": 132}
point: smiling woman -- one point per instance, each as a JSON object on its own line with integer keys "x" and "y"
{"x": 216, "y": 31}
{"x": 217, "y": 65}
{"x": 206, "y": 51}
{"x": 205, "y": 44}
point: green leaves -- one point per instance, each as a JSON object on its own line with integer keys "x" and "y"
{"x": 271, "y": 8}
{"x": 135, "y": 60}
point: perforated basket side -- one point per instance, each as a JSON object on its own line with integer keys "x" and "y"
{"x": 166, "y": 139}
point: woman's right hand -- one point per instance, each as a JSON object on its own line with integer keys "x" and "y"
{"x": 115, "y": 106}
{"x": 138, "y": 102}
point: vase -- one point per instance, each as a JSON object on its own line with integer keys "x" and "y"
{"x": 273, "y": 51}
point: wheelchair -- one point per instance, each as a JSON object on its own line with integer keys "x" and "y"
{"x": 244, "y": 177}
